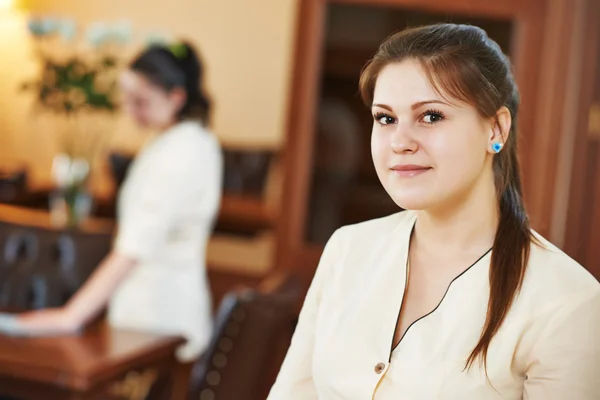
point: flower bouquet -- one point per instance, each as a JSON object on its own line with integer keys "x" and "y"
{"x": 76, "y": 92}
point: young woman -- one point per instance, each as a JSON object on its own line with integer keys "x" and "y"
{"x": 154, "y": 279}
{"x": 456, "y": 298}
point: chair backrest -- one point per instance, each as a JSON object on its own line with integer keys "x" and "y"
{"x": 119, "y": 165}
{"x": 252, "y": 333}
{"x": 246, "y": 171}
{"x": 41, "y": 268}
{"x": 12, "y": 185}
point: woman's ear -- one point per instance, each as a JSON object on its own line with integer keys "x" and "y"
{"x": 501, "y": 124}
{"x": 178, "y": 96}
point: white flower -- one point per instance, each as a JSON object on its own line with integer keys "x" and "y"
{"x": 34, "y": 26}
{"x": 68, "y": 29}
{"x": 50, "y": 25}
{"x": 101, "y": 33}
{"x": 61, "y": 166}
{"x": 80, "y": 169}
{"x": 97, "y": 34}
{"x": 67, "y": 171}
{"x": 42, "y": 26}
{"x": 121, "y": 31}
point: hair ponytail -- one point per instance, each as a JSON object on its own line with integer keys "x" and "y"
{"x": 197, "y": 104}
{"x": 512, "y": 242}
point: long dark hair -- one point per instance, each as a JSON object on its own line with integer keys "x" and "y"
{"x": 463, "y": 62}
{"x": 176, "y": 65}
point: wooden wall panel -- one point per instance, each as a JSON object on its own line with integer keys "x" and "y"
{"x": 581, "y": 228}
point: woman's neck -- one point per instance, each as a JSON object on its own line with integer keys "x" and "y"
{"x": 168, "y": 125}
{"x": 468, "y": 225}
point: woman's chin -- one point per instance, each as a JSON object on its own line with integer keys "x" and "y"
{"x": 413, "y": 201}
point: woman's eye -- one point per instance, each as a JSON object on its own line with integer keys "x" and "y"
{"x": 384, "y": 119}
{"x": 431, "y": 117}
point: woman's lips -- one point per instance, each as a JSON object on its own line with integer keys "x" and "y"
{"x": 409, "y": 170}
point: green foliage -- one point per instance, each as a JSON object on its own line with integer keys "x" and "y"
{"x": 67, "y": 87}
{"x": 81, "y": 79}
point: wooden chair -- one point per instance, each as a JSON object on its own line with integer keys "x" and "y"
{"x": 252, "y": 334}
{"x": 12, "y": 185}
{"x": 41, "y": 266}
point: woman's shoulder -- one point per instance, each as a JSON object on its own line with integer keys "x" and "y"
{"x": 559, "y": 303}
{"x": 190, "y": 133}
{"x": 553, "y": 277}
{"x": 187, "y": 141}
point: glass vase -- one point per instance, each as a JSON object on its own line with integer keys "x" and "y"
{"x": 70, "y": 201}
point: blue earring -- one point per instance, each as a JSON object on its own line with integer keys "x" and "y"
{"x": 496, "y": 147}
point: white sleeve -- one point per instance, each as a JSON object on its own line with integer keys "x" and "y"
{"x": 166, "y": 187}
{"x": 565, "y": 361}
{"x": 295, "y": 380}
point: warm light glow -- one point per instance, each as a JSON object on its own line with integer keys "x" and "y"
{"x": 4, "y": 4}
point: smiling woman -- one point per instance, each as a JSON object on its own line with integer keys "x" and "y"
{"x": 428, "y": 131}
{"x": 456, "y": 298}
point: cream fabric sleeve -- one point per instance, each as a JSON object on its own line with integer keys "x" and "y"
{"x": 565, "y": 361}
{"x": 295, "y": 379}
{"x": 162, "y": 191}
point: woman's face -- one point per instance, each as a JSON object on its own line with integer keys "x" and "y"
{"x": 428, "y": 152}
{"x": 148, "y": 104}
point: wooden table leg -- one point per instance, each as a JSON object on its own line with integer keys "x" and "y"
{"x": 164, "y": 386}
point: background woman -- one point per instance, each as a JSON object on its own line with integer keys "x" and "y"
{"x": 154, "y": 279}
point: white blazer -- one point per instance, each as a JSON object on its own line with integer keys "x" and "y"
{"x": 548, "y": 347}
{"x": 166, "y": 211}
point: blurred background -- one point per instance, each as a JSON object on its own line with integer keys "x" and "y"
{"x": 282, "y": 75}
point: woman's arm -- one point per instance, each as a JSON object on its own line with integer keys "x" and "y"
{"x": 565, "y": 361}
{"x": 86, "y": 304}
{"x": 93, "y": 296}
{"x": 295, "y": 380}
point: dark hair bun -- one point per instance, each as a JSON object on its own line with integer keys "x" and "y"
{"x": 176, "y": 65}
